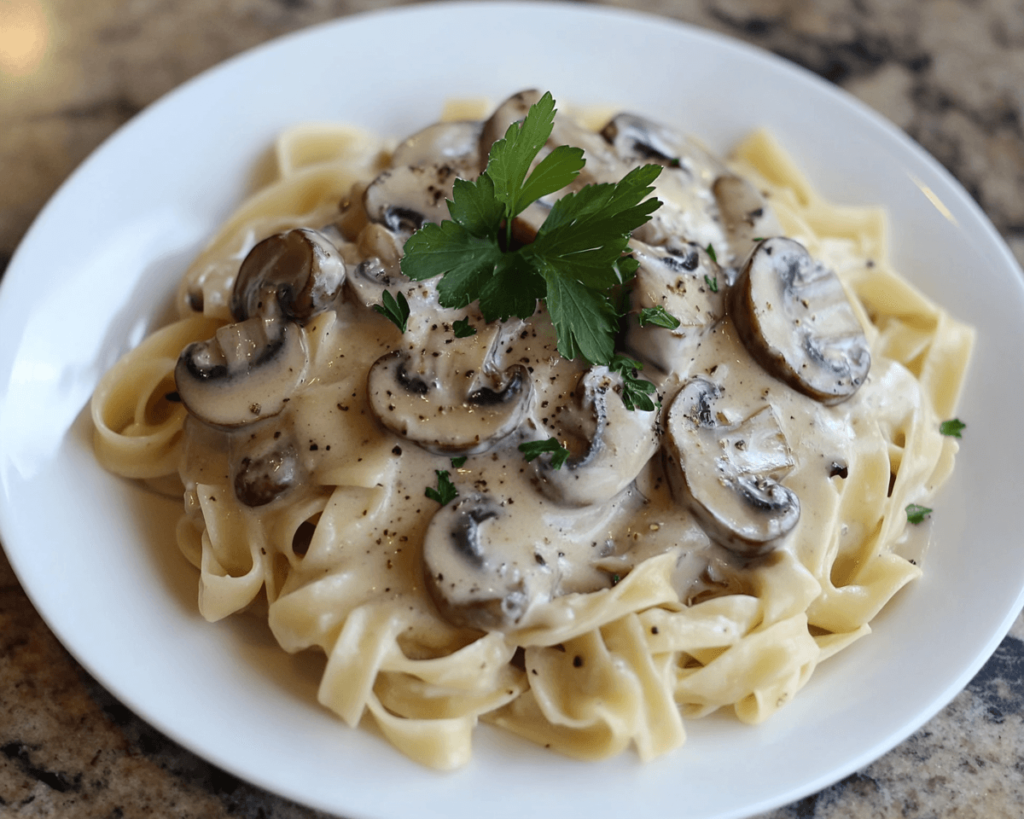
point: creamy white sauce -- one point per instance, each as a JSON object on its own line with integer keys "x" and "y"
{"x": 533, "y": 540}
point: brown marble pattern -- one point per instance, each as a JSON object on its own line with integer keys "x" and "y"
{"x": 949, "y": 73}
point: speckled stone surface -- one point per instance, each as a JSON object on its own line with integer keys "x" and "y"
{"x": 949, "y": 73}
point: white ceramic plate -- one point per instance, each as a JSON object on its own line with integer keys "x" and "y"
{"x": 97, "y": 555}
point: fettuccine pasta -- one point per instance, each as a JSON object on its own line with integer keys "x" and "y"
{"x": 589, "y": 608}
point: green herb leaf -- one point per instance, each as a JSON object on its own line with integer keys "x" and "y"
{"x": 445, "y": 492}
{"x": 952, "y": 428}
{"x": 396, "y": 310}
{"x": 635, "y": 390}
{"x": 534, "y": 449}
{"x": 917, "y": 513}
{"x": 711, "y": 283}
{"x": 658, "y": 316}
{"x": 462, "y": 328}
{"x": 575, "y": 264}
{"x": 711, "y": 252}
{"x": 510, "y": 159}
{"x": 458, "y": 462}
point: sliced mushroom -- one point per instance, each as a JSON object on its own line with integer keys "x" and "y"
{"x": 617, "y": 443}
{"x": 639, "y": 140}
{"x": 405, "y": 198}
{"x": 247, "y": 371}
{"x": 480, "y": 578}
{"x": 687, "y": 283}
{"x": 793, "y": 315}
{"x": 449, "y": 403}
{"x": 298, "y": 273}
{"x": 729, "y": 475}
{"x": 746, "y": 214}
{"x": 265, "y": 470}
{"x": 454, "y": 143}
{"x": 684, "y": 186}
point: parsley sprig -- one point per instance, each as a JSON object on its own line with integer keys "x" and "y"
{"x": 395, "y": 310}
{"x": 658, "y": 316}
{"x": 445, "y": 492}
{"x": 534, "y": 449}
{"x": 636, "y": 392}
{"x": 917, "y": 513}
{"x": 576, "y": 260}
{"x": 952, "y": 428}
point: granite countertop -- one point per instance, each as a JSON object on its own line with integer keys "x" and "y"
{"x": 949, "y": 73}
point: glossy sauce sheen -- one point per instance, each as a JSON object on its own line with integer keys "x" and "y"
{"x": 539, "y": 533}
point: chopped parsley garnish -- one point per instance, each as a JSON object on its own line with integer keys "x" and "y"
{"x": 396, "y": 310}
{"x": 533, "y": 449}
{"x": 952, "y": 428}
{"x": 711, "y": 283}
{"x": 714, "y": 256}
{"x": 917, "y": 513}
{"x": 658, "y": 316}
{"x": 462, "y": 328}
{"x": 458, "y": 462}
{"x": 635, "y": 391}
{"x": 576, "y": 260}
{"x": 445, "y": 492}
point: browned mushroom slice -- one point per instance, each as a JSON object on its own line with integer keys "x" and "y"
{"x": 298, "y": 273}
{"x": 265, "y": 470}
{"x": 639, "y": 140}
{"x": 729, "y": 475}
{"x": 794, "y": 317}
{"x": 405, "y": 198}
{"x": 479, "y": 578}
{"x": 247, "y": 371}
{"x": 683, "y": 280}
{"x": 746, "y": 214}
{"x": 458, "y": 411}
{"x": 454, "y": 143}
{"x": 616, "y": 444}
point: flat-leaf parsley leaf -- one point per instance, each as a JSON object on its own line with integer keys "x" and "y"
{"x": 658, "y": 316}
{"x": 445, "y": 492}
{"x": 635, "y": 390}
{"x": 397, "y": 310}
{"x": 952, "y": 428}
{"x": 534, "y": 449}
{"x": 917, "y": 513}
{"x": 462, "y": 328}
{"x": 574, "y": 263}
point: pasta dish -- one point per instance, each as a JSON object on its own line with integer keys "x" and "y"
{"x": 472, "y": 525}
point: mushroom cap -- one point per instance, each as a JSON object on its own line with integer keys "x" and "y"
{"x": 794, "y": 317}
{"x": 729, "y": 475}
{"x": 456, "y": 143}
{"x": 261, "y": 477}
{"x": 621, "y": 443}
{"x": 684, "y": 185}
{"x": 459, "y": 410}
{"x": 298, "y": 273}
{"x": 674, "y": 276}
{"x": 746, "y": 215}
{"x": 246, "y": 372}
{"x": 478, "y": 580}
{"x": 406, "y": 197}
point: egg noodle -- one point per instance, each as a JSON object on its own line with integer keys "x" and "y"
{"x": 602, "y": 664}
